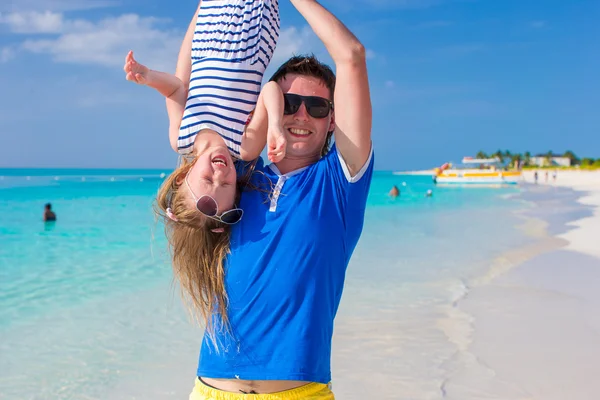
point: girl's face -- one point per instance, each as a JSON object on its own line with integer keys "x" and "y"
{"x": 213, "y": 174}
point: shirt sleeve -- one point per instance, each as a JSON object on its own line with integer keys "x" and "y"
{"x": 242, "y": 168}
{"x": 352, "y": 191}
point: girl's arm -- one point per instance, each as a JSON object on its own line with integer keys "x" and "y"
{"x": 176, "y": 102}
{"x": 266, "y": 126}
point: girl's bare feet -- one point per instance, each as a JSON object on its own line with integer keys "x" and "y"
{"x": 135, "y": 72}
{"x": 276, "y": 144}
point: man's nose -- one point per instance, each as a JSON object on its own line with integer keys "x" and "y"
{"x": 302, "y": 113}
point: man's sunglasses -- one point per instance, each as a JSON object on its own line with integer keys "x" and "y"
{"x": 317, "y": 107}
{"x": 209, "y": 207}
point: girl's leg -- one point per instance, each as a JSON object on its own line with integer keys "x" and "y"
{"x": 266, "y": 126}
{"x": 176, "y": 102}
{"x": 184, "y": 61}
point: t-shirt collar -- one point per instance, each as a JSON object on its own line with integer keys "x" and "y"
{"x": 276, "y": 171}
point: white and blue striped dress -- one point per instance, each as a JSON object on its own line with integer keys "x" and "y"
{"x": 232, "y": 46}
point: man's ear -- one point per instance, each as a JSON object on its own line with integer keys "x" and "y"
{"x": 332, "y": 122}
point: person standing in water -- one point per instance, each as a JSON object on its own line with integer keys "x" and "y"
{"x": 49, "y": 215}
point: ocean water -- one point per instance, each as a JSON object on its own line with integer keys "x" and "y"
{"x": 88, "y": 308}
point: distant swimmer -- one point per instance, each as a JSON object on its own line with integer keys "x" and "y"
{"x": 49, "y": 215}
{"x": 394, "y": 192}
{"x": 429, "y": 193}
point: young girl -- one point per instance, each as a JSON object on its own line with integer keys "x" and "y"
{"x": 217, "y": 115}
{"x": 231, "y": 44}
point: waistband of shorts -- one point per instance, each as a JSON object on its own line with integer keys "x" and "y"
{"x": 293, "y": 394}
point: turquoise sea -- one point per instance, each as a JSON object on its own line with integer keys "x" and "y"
{"x": 88, "y": 308}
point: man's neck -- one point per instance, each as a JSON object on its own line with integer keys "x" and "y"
{"x": 288, "y": 165}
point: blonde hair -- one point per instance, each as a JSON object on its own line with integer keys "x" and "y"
{"x": 197, "y": 253}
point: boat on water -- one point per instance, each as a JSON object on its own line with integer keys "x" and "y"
{"x": 476, "y": 171}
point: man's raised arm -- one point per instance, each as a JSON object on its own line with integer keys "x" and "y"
{"x": 353, "y": 114}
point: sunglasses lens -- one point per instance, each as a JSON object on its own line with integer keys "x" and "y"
{"x": 318, "y": 111}
{"x": 292, "y": 104}
{"x": 232, "y": 216}
{"x": 317, "y": 107}
{"x": 207, "y": 206}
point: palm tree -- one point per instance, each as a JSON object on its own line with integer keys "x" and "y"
{"x": 481, "y": 155}
{"x": 527, "y": 158}
{"x": 549, "y": 155}
{"x": 498, "y": 154}
{"x": 515, "y": 160}
{"x": 571, "y": 156}
{"x": 586, "y": 162}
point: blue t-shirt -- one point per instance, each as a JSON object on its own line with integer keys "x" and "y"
{"x": 285, "y": 274}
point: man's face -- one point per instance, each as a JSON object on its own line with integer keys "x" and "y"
{"x": 305, "y": 135}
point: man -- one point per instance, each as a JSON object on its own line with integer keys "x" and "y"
{"x": 49, "y": 215}
{"x": 394, "y": 192}
{"x": 304, "y": 216}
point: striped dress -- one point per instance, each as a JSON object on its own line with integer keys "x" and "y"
{"x": 233, "y": 43}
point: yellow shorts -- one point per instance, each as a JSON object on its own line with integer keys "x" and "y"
{"x": 311, "y": 391}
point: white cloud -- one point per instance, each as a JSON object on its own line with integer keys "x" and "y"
{"x": 406, "y": 4}
{"x": 33, "y": 22}
{"x": 294, "y": 41}
{"x": 538, "y": 24}
{"x": 6, "y": 54}
{"x": 459, "y": 49}
{"x": 54, "y": 5}
{"x": 107, "y": 42}
{"x": 387, "y": 4}
{"x": 433, "y": 24}
{"x": 471, "y": 108}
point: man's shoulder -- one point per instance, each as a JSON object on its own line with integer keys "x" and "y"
{"x": 335, "y": 160}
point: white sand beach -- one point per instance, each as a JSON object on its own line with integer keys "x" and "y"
{"x": 536, "y": 327}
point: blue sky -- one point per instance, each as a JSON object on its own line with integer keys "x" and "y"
{"x": 448, "y": 77}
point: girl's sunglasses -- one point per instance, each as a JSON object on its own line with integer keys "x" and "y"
{"x": 209, "y": 207}
{"x": 317, "y": 107}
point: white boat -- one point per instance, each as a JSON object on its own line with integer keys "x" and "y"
{"x": 476, "y": 171}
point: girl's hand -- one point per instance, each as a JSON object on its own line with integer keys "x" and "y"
{"x": 276, "y": 144}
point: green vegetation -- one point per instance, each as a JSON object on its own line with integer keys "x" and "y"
{"x": 549, "y": 159}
